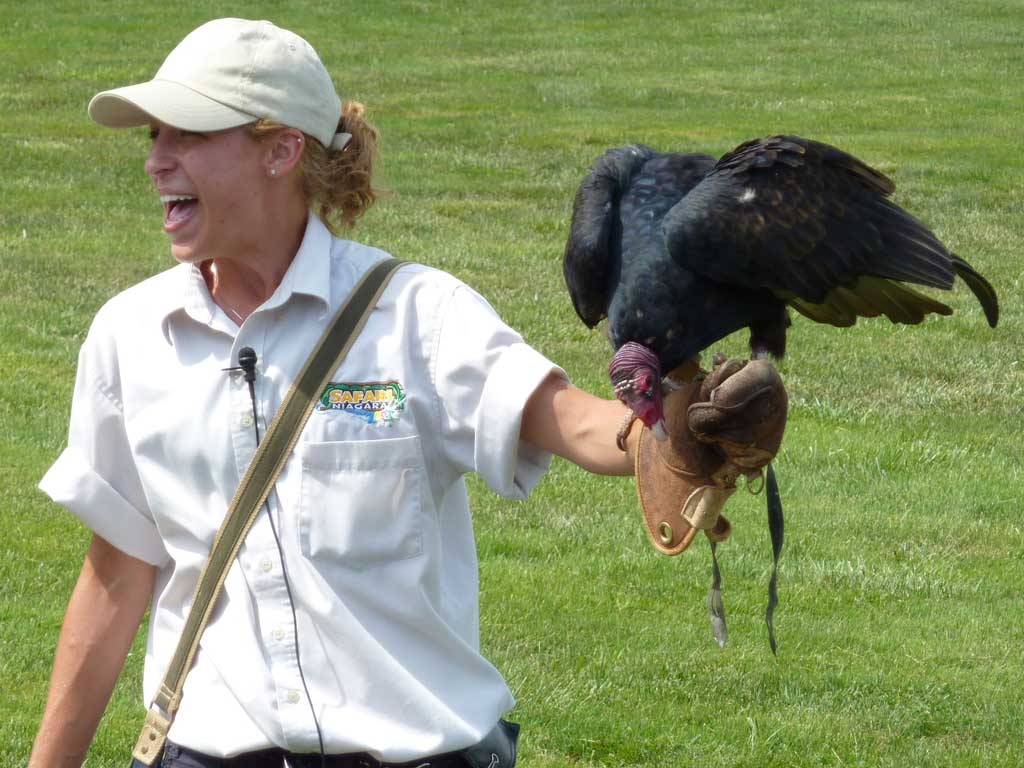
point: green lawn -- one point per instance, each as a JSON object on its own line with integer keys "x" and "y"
{"x": 901, "y": 625}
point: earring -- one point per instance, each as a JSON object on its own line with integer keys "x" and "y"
{"x": 273, "y": 171}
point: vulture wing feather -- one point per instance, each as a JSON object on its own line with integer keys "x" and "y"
{"x": 594, "y": 243}
{"x": 801, "y": 219}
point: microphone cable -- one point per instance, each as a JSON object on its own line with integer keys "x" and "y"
{"x": 247, "y": 363}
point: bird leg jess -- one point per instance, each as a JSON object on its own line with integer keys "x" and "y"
{"x": 624, "y": 429}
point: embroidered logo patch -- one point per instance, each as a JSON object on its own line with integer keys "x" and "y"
{"x": 375, "y": 402}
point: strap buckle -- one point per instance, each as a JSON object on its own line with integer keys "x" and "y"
{"x": 151, "y": 741}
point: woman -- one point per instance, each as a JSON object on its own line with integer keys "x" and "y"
{"x": 349, "y": 624}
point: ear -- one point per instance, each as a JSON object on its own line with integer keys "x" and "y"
{"x": 284, "y": 150}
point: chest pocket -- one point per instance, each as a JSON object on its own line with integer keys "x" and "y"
{"x": 361, "y": 502}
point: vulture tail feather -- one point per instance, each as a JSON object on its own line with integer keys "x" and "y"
{"x": 919, "y": 266}
{"x": 981, "y": 288}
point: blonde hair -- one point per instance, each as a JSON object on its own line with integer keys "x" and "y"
{"x": 337, "y": 184}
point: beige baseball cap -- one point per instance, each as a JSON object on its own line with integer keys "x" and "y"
{"x": 227, "y": 73}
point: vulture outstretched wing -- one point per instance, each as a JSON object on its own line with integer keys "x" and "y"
{"x": 815, "y": 226}
{"x": 594, "y": 239}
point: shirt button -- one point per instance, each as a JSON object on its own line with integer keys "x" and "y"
{"x": 293, "y": 697}
{"x": 278, "y": 634}
{"x": 266, "y": 565}
{"x": 247, "y": 420}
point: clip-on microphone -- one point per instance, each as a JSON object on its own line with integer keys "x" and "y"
{"x": 247, "y": 364}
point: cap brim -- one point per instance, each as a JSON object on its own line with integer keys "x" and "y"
{"x": 169, "y": 102}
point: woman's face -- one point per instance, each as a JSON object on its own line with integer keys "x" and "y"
{"x": 212, "y": 186}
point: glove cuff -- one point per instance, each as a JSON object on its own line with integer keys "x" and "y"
{"x": 670, "y": 527}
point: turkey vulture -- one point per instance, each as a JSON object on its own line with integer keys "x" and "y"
{"x": 678, "y": 251}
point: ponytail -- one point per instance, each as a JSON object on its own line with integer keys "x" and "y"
{"x": 337, "y": 183}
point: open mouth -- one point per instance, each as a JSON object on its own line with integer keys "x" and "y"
{"x": 178, "y": 209}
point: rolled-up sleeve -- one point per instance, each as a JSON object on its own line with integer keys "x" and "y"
{"x": 95, "y": 477}
{"x": 484, "y": 375}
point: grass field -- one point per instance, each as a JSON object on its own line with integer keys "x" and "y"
{"x": 901, "y": 625}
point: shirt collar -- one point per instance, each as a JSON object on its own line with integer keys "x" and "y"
{"x": 310, "y": 270}
{"x": 308, "y": 274}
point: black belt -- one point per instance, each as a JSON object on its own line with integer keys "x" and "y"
{"x": 176, "y": 756}
{"x": 496, "y": 750}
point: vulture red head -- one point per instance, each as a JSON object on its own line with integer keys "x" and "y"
{"x": 636, "y": 378}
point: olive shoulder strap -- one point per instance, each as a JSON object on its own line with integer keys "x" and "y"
{"x": 259, "y": 478}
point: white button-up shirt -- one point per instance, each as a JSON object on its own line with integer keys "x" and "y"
{"x": 371, "y": 507}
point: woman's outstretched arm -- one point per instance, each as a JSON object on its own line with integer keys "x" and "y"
{"x": 577, "y": 426}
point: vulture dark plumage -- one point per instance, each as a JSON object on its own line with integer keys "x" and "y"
{"x": 679, "y": 251}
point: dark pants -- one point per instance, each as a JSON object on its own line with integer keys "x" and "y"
{"x": 497, "y": 750}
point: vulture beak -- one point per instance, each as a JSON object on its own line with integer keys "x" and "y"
{"x": 659, "y": 431}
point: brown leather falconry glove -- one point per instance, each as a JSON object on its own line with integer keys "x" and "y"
{"x": 721, "y": 425}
